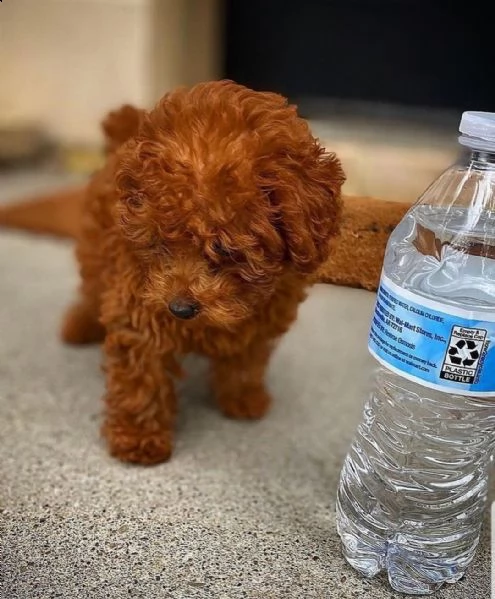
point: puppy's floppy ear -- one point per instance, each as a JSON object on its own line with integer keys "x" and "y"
{"x": 305, "y": 194}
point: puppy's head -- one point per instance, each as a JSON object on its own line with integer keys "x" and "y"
{"x": 223, "y": 192}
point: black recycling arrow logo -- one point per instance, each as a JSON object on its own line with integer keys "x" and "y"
{"x": 464, "y": 353}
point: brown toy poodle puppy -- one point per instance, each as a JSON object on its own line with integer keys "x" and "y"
{"x": 200, "y": 234}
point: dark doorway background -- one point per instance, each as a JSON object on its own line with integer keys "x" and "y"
{"x": 414, "y": 53}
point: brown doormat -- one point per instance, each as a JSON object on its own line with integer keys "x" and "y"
{"x": 58, "y": 213}
{"x": 357, "y": 252}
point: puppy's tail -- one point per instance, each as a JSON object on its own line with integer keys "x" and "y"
{"x": 58, "y": 213}
{"x": 120, "y": 125}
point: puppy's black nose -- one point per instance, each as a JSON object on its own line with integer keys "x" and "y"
{"x": 184, "y": 309}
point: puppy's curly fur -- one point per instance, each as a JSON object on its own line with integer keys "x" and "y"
{"x": 200, "y": 235}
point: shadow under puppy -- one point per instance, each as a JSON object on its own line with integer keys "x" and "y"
{"x": 200, "y": 234}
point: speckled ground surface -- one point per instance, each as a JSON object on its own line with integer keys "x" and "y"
{"x": 243, "y": 510}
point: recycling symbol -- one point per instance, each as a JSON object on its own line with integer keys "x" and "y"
{"x": 464, "y": 353}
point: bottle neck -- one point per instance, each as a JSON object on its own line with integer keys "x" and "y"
{"x": 478, "y": 152}
{"x": 479, "y": 159}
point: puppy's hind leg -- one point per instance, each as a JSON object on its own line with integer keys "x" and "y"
{"x": 81, "y": 324}
{"x": 238, "y": 382}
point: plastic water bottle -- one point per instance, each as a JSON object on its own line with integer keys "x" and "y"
{"x": 413, "y": 487}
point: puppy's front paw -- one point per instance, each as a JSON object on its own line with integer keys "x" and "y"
{"x": 133, "y": 445}
{"x": 251, "y": 404}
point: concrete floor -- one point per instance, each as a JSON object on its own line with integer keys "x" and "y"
{"x": 243, "y": 510}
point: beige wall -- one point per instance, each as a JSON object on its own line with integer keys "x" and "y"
{"x": 64, "y": 63}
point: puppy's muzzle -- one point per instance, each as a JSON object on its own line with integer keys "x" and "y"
{"x": 183, "y": 308}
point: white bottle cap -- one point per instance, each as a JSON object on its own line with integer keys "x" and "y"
{"x": 478, "y": 130}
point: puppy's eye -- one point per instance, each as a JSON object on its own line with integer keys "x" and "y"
{"x": 158, "y": 247}
{"x": 134, "y": 201}
{"x": 221, "y": 250}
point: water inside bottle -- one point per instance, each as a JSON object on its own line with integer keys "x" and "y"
{"x": 446, "y": 253}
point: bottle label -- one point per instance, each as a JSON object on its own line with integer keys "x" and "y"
{"x": 435, "y": 345}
